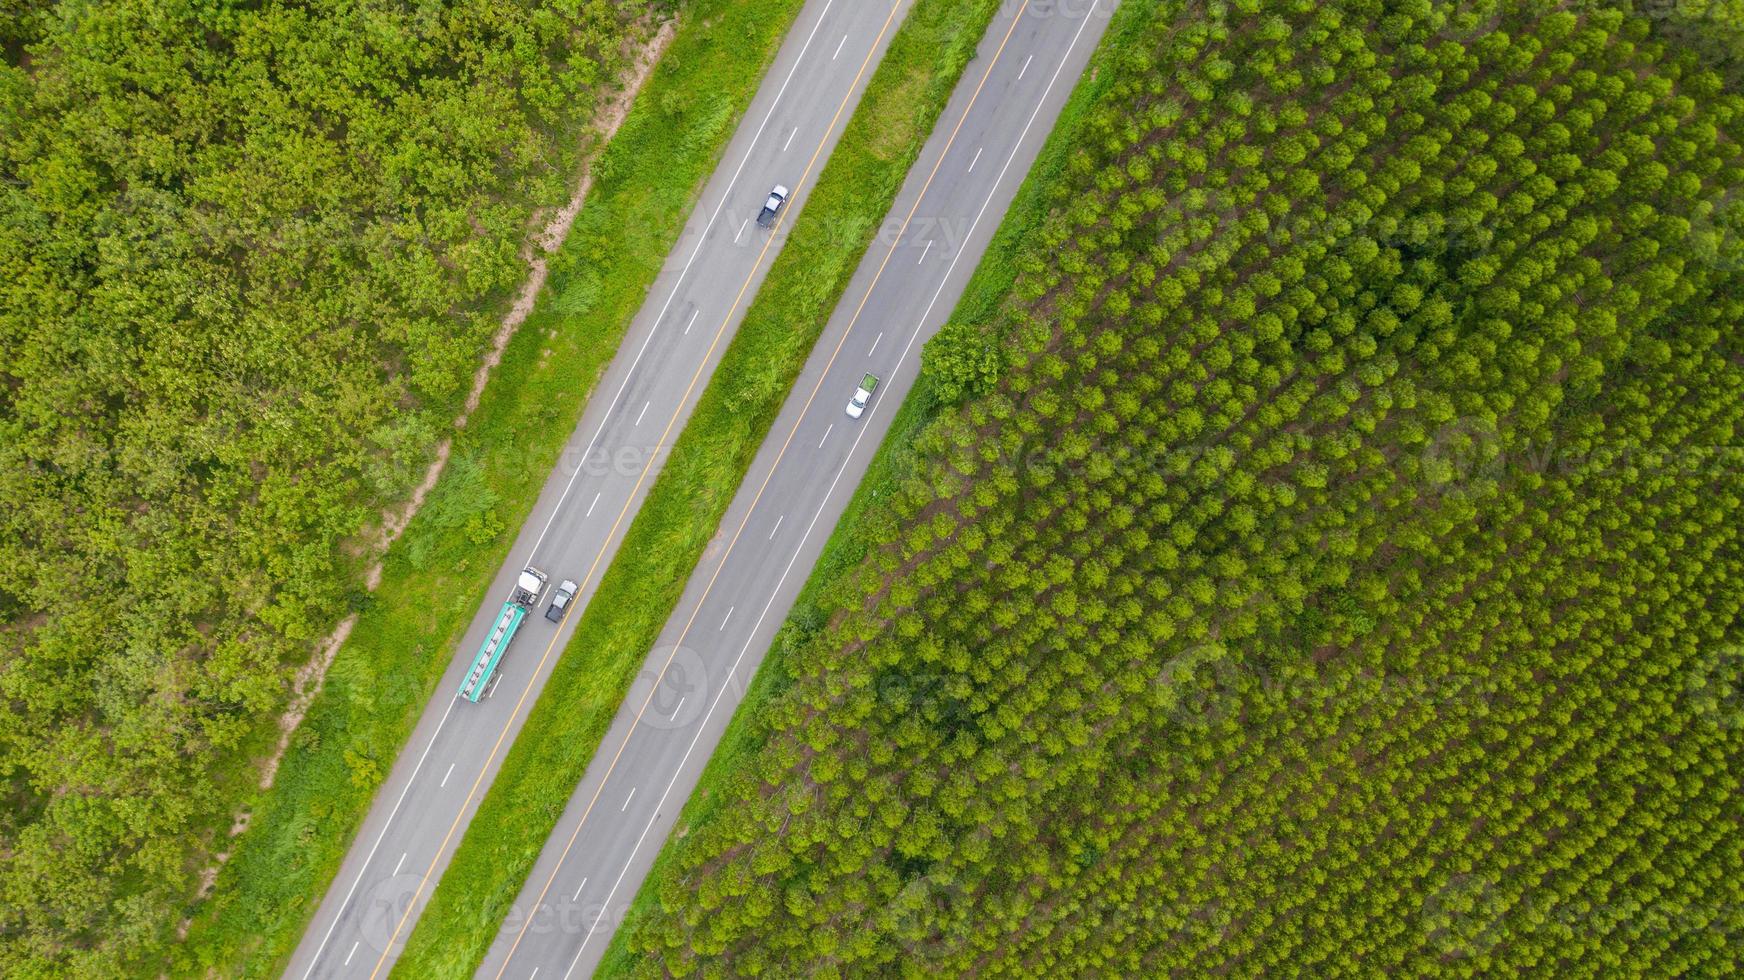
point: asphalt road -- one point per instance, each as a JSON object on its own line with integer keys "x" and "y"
{"x": 640, "y": 405}
{"x": 796, "y": 490}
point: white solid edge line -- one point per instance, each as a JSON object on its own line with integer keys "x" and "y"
{"x": 1018, "y": 146}
{"x": 798, "y": 60}
{"x": 339, "y": 913}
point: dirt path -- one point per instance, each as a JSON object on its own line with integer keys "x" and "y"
{"x": 537, "y": 250}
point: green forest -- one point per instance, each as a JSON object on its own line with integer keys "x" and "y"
{"x": 250, "y": 257}
{"x": 1325, "y": 559}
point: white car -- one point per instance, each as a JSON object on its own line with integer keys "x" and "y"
{"x": 862, "y": 395}
{"x": 772, "y": 207}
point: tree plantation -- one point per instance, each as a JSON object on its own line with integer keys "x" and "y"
{"x": 250, "y": 256}
{"x": 1335, "y": 570}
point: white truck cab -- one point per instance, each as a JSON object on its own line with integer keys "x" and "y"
{"x": 529, "y": 586}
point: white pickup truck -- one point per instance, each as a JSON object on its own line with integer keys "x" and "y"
{"x": 772, "y": 207}
{"x": 560, "y": 601}
{"x": 862, "y": 395}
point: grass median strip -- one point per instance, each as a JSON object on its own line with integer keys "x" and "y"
{"x": 684, "y": 508}
{"x": 437, "y": 574}
{"x": 848, "y": 543}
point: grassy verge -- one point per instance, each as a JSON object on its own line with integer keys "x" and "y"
{"x": 685, "y": 506}
{"x": 436, "y": 575}
{"x": 848, "y": 543}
